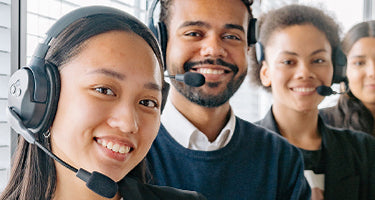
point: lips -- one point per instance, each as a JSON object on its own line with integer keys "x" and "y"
{"x": 210, "y": 64}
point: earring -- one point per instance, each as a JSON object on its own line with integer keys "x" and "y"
{"x": 47, "y": 134}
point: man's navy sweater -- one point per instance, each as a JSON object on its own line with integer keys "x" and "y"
{"x": 256, "y": 164}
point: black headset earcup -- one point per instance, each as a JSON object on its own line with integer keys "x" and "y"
{"x": 259, "y": 51}
{"x": 251, "y": 36}
{"x": 339, "y": 63}
{"x": 164, "y": 92}
{"x": 35, "y": 115}
{"x": 163, "y": 39}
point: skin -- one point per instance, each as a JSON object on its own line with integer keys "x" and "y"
{"x": 200, "y": 30}
{"x": 361, "y": 71}
{"x": 110, "y": 92}
{"x": 294, "y": 71}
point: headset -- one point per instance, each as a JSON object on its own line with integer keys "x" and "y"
{"x": 34, "y": 93}
{"x": 160, "y": 30}
{"x": 338, "y": 59}
{"x": 34, "y": 90}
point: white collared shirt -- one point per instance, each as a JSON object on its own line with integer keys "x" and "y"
{"x": 186, "y": 134}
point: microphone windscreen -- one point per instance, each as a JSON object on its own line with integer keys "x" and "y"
{"x": 102, "y": 184}
{"x": 324, "y": 90}
{"x": 194, "y": 79}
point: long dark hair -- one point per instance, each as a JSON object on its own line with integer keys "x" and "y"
{"x": 33, "y": 174}
{"x": 357, "y": 116}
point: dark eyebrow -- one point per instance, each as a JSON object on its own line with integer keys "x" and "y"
{"x": 149, "y": 85}
{"x": 295, "y": 54}
{"x": 318, "y": 51}
{"x": 109, "y": 73}
{"x": 194, "y": 23}
{"x": 289, "y": 52}
{"x": 234, "y": 26}
{"x": 358, "y": 56}
{"x": 204, "y": 24}
{"x": 152, "y": 86}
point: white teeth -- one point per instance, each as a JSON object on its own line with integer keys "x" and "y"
{"x": 114, "y": 147}
{"x": 303, "y": 89}
{"x": 124, "y": 149}
{"x": 210, "y": 71}
{"x": 109, "y": 145}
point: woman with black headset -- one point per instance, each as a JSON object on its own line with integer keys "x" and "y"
{"x": 355, "y": 110}
{"x": 102, "y": 77}
{"x": 295, "y": 57}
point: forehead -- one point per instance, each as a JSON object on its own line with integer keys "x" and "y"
{"x": 296, "y": 36}
{"x": 122, "y": 51}
{"x": 210, "y": 11}
{"x": 365, "y": 44}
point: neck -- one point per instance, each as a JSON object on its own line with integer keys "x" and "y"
{"x": 299, "y": 128}
{"x": 209, "y": 121}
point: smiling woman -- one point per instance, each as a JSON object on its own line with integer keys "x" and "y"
{"x": 296, "y": 55}
{"x": 356, "y": 109}
{"x": 102, "y": 81}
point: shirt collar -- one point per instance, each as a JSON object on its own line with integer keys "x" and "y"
{"x": 186, "y": 134}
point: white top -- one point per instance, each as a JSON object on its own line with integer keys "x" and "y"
{"x": 186, "y": 134}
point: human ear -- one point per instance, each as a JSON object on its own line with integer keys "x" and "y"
{"x": 264, "y": 74}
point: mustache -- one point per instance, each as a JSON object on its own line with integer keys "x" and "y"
{"x": 189, "y": 65}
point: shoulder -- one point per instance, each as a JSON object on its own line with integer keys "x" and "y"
{"x": 355, "y": 140}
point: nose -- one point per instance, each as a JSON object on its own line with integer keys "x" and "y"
{"x": 370, "y": 69}
{"x": 124, "y": 118}
{"x": 212, "y": 46}
{"x": 303, "y": 71}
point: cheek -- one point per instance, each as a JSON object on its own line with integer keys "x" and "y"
{"x": 326, "y": 75}
{"x": 150, "y": 125}
{"x": 278, "y": 78}
{"x": 354, "y": 76}
{"x": 178, "y": 53}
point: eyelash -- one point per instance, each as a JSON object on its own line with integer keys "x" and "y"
{"x": 319, "y": 60}
{"x": 104, "y": 90}
{"x": 143, "y": 102}
{"x": 197, "y": 34}
{"x": 359, "y": 63}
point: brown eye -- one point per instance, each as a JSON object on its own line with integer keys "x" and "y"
{"x": 149, "y": 103}
{"x": 319, "y": 61}
{"x": 105, "y": 91}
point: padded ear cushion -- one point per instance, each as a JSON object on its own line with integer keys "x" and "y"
{"x": 54, "y": 83}
{"x": 163, "y": 39}
{"x": 339, "y": 63}
{"x": 251, "y": 36}
{"x": 259, "y": 51}
{"x": 164, "y": 92}
{"x": 36, "y": 116}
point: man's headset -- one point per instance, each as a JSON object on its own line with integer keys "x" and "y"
{"x": 160, "y": 30}
{"x": 339, "y": 67}
{"x": 34, "y": 94}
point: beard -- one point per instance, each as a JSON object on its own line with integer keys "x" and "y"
{"x": 198, "y": 96}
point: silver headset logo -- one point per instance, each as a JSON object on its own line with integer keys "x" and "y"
{"x": 15, "y": 89}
